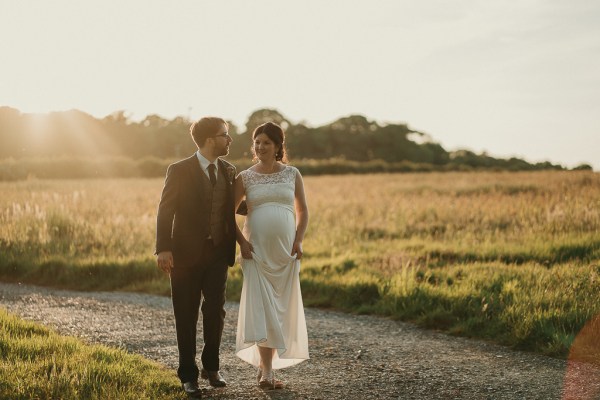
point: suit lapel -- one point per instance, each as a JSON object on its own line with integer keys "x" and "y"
{"x": 222, "y": 169}
{"x": 224, "y": 172}
{"x": 198, "y": 175}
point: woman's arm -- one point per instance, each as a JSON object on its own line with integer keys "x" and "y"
{"x": 301, "y": 216}
{"x": 239, "y": 192}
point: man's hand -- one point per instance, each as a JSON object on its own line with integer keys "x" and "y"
{"x": 164, "y": 260}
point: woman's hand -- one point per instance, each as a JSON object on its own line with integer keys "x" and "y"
{"x": 246, "y": 249}
{"x": 297, "y": 249}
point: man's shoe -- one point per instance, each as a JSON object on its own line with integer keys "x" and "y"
{"x": 214, "y": 378}
{"x": 192, "y": 390}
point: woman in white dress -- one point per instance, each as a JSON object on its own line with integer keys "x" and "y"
{"x": 271, "y": 331}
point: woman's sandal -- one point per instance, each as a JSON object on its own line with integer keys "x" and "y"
{"x": 268, "y": 381}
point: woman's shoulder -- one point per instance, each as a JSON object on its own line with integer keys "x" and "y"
{"x": 245, "y": 171}
{"x": 248, "y": 175}
{"x": 289, "y": 173}
{"x": 242, "y": 175}
{"x": 293, "y": 170}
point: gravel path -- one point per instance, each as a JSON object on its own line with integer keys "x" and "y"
{"x": 352, "y": 357}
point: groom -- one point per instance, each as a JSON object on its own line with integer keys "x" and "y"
{"x": 195, "y": 244}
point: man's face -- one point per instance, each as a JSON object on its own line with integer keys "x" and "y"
{"x": 222, "y": 141}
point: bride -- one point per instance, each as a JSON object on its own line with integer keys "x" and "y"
{"x": 271, "y": 331}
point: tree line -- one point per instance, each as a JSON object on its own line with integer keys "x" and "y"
{"x": 349, "y": 144}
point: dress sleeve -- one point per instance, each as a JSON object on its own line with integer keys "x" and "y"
{"x": 244, "y": 176}
{"x": 293, "y": 173}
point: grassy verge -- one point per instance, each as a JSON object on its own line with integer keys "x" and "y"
{"x": 37, "y": 363}
{"x": 528, "y": 307}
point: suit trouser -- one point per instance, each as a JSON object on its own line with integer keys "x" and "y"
{"x": 205, "y": 282}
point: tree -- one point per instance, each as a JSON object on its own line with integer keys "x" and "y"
{"x": 266, "y": 115}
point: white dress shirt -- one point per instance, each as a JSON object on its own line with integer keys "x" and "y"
{"x": 204, "y": 163}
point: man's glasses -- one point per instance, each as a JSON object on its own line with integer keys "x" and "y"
{"x": 225, "y": 135}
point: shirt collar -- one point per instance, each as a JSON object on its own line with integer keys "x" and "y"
{"x": 204, "y": 162}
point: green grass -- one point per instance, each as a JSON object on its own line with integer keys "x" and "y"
{"x": 37, "y": 363}
{"x": 133, "y": 276}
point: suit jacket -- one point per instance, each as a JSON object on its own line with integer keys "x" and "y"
{"x": 182, "y": 223}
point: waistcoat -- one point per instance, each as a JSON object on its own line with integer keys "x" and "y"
{"x": 217, "y": 198}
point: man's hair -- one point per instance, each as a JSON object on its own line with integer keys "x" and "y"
{"x": 206, "y": 127}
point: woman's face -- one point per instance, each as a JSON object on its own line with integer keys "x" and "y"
{"x": 264, "y": 148}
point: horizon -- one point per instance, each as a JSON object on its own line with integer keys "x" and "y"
{"x": 511, "y": 80}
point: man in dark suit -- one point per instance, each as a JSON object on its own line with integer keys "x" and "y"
{"x": 195, "y": 244}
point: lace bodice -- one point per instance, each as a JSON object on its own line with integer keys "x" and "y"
{"x": 270, "y": 188}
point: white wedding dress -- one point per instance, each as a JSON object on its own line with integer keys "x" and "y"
{"x": 271, "y": 310}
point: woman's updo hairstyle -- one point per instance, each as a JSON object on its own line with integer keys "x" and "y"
{"x": 275, "y": 133}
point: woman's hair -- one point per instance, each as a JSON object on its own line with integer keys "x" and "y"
{"x": 275, "y": 133}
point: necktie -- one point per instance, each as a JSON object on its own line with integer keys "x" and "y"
{"x": 211, "y": 174}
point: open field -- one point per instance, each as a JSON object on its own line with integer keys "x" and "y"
{"x": 510, "y": 257}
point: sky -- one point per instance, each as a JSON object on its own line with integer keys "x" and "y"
{"x": 511, "y": 78}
